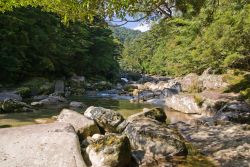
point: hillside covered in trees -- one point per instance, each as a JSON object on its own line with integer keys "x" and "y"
{"x": 216, "y": 36}
{"x": 37, "y": 44}
{"x": 125, "y": 34}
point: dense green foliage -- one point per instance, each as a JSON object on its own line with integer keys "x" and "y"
{"x": 37, "y": 44}
{"x": 87, "y": 10}
{"x": 214, "y": 37}
{"x": 125, "y": 34}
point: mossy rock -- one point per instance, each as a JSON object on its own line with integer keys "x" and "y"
{"x": 110, "y": 150}
{"x": 25, "y": 92}
{"x": 245, "y": 93}
{"x": 13, "y": 106}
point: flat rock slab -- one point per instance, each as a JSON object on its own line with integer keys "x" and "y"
{"x": 50, "y": 145}
{"x": 228, "y": 145}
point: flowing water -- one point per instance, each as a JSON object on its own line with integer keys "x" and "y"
{"x": 122, "y": 106}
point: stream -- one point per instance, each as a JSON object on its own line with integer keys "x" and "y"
{"x": 122, "y": 106}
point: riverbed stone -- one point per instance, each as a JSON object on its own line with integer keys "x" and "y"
{"x": 109, "y": 150}
{"x": 40, "y": 97}
{"x": 76, "y": 104}
{"x": 152, "y": 139}
{"x": 51, "y": 100}
{"x": 14, "y": 106}
{"x": 49, "y": 145}
{"x": 154, "y": 113}
{"x": 10, "y": 95}
{"x": 83, "y": 126}
{"x": 191, "y": 83}
{"x": 108, "y": 120}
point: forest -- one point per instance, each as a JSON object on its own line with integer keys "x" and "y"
{"x": 200, "y": 34}
{"x": 35, "y": 43}
{"x": 217, "y": 38}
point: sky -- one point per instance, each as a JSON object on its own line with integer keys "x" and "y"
{"x": 141, "y": 26}
{"x": 138, "y": 26}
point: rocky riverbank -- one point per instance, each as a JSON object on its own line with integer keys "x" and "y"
{"x": 219, "y": 130}
{"x": 106, "y": 139}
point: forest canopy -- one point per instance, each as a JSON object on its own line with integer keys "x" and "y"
{"x": 36, "y": 44}
{"x": 216, "y": 37}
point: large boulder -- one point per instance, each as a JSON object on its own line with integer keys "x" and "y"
{"x": 13, "y": 106}
{"x": 227, "y": 145}
{"x": 171, "y": 84}
{"x": 191, "y": 83}
{"x": 10, "y": 95}
{"x": 185, "y": 103}
{"x": 154, "y": 113}
{"x": 152, "y": 140}
{"x": 50, "y": 145}
{"x": 108, "y": 120}
{"x": 83, "y": 126}
{"x": 51, "y": 100}
{"x": 194, "y": 83}
{"x": 211, "y": 81}
{"x": 109, "y": 150}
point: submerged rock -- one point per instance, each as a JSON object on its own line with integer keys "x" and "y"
{"x": 109, "y": 150}
{"x": 12, "y": 106}
{"x": 153, "y": 140}
{"x": 48, "y": 145}
{"x": 75, "y": 104}
{"x": 154, "y": 113}
{"x": 109, "y": 120}
{"x": 44, "y": 120}
{"x": 83, "y": 126}
{"x": 40, "y": 97}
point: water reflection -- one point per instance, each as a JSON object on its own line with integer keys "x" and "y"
{"x": 122, "y": 106}
{"x": 176, "y": 116}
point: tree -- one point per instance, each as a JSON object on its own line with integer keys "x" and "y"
{"x": 212, "y": 38}
{"x": 36, "y": 43}
{"x": 89, "y": 9}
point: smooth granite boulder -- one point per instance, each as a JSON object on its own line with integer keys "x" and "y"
{"x": 108, "y": 120}
{"x": 47, "y": 145}
{"x": 83, "y": 126}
